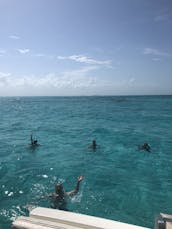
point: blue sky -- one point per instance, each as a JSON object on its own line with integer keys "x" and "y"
{"x": 85, "y": 47}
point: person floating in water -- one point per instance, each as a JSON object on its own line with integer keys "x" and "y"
{"x": 34, "y": 142}
{"x": 93, "y": 145}
{"x": 59, "y": 196}
{"x": 145, "y": 146}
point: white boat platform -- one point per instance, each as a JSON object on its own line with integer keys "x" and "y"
{"x": 46, "y": 218}
{"x": 164, "y": 221}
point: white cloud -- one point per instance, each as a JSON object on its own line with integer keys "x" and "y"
{"x": 156, "y": 59}
{"x": 40, "y": 55}
{"x": 85, "y": 60}
{"x": 4, "y": 74}
{"x": 150, "y": 51}
{"x": 163, "y": 17}
{"x": 14, "y": 37}
{"x": 76, "y": 82}
{"x": 70, "y": 79}
{"x": 2, "y": 52}
{"x": 80, "y": 72}
{"x": 23, "y": 51}
{"x": 132, "y": 80}
{"x": 4, "y": 77}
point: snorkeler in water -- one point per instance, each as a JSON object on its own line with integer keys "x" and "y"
{"x": 145, "y": 147}
{"x": 59, "y": 196}
{"x": 93, "y": 145}
{"x": 34, "y": 142}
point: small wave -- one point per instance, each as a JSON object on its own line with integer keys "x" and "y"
{"x": 77, "y": 198}
{"x": 12, "y": 213}
{"x": 11, "y": 194}
{"x": 44, "y": 176}
{"x": 60, "y": 180}
{"x": 38, "y": 189}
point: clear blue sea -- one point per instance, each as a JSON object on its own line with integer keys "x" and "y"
{"x": 120, "y": 182}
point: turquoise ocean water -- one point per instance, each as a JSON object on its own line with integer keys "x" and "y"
{"x": 120, "y": 182}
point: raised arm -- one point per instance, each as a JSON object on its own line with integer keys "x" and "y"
{"x": 73, "y": 192}
{"x": 31, "y": 139}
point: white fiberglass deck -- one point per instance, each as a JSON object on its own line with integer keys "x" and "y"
{"x": 44, "y": 218}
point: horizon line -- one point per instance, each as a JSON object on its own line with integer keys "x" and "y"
{"x": 82, "y": 95}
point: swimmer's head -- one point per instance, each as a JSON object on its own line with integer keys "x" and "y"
{"x": 94, "y": 142}
{"x": 59, "y": 188}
